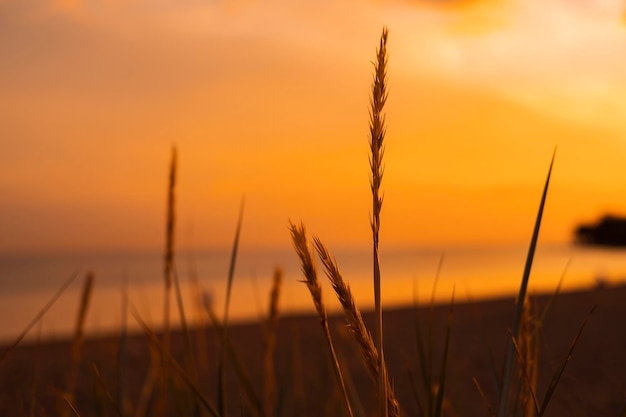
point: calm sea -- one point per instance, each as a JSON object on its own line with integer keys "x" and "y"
{"x": 27, "y": 282}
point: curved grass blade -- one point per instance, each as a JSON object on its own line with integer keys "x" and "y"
{"x": 233, "y": 262}
{"x": 38, "y": 316}
{"x": 507, "y": 374}
{"x": 559, "y": 372}
{"x": 444, "y": 362}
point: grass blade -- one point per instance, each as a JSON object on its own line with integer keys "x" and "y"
{"x": 107, "y": 393}
{"x": 240, "y": 369}
{"x": 444, "y": 362}
{"x": 507, "y": 373}
{"x": 221, "y": 387}
{"x": 38, "y": 317}
{"x": 483, "y": 396}
{"x": 559, "y": 372}
{"x": 35, "y": 374}
{"x": 79, "y": 336}
{"x": 233, "y": 262}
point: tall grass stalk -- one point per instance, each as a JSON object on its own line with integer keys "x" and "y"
{"x": 168, "y": 265}
{"x": 299, "y": 239}
{"x": 221, "y": 386}
{"x": 377, "y": 136}
{"x": 507, "y": 374}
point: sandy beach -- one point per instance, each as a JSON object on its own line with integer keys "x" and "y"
{"x": 593, "y": 384}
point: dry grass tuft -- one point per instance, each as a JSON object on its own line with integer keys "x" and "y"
{"x": 355, "y": 322}
{"x": 299, "y": 239}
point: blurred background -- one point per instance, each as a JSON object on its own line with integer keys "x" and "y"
{"x": 269, "y": 100}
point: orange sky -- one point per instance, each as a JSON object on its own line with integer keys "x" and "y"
{"x": 269, "y": 100}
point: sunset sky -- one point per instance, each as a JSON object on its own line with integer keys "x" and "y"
{"x": 269, "y": 99}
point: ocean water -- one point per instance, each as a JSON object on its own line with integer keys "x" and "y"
{"x": 27, "y": 282}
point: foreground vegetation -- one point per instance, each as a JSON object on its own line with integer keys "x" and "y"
{"x": 173, "y": 384}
